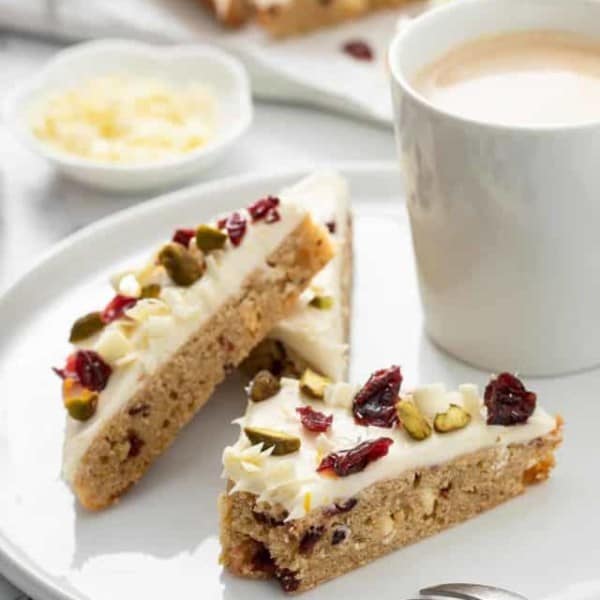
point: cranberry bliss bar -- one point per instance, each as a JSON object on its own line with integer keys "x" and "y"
{"x": 144, "y": 365}
{"x": 283, "y": 18}
{"x": 325, "y": 478}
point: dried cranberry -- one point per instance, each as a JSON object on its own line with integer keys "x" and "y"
{"x": 348, "y": 462}
{"x": 139, "y": 409}
{"x": 135, "y": 444}
{"x": 341, "y": 507}
{"x": 184, "y": 236}
{"x": 331, "y": 226}
{"x": 375, "y": 403}
{"x": 339, "y": 535}
{"x": 93, "y": 373}
{"x": 445, "y": 491}
{"x": 272, "y": 216}
{"x": 288, "y": 580}
{"x": 269, "y": 520}
{"x": 263, "y": 561}
{"x": 222, "y": 222}
{"x": 116, "y": 308}
{"x": 261, "y": 208}
{"x": 226, "y": 343}
{"x": 359, "y": 50}
{"x": 314, "y": 420}
{"x": 508, "y": 401}
{"x": 87, "y": 368}
{"x": 313, "y": 534}
{"x": 236, "y": 228}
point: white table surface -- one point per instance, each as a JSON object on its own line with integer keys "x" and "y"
{"x": 39, "y": 207}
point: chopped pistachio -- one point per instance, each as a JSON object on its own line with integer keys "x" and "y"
{"x": 82, "y": 409}
{"x": 282, "y": 443}
{"x": 271, "y": 355}
{"x": 414, "y": 423}
{"x": 210, "y": 238}
{"x": 322, "y": 302}
{"x": 86, "y": 326}
{"x": 313, "y": 385}
{"x": 152, "y": 290}
{"x": 180, "y": 264}
{"x": 264, "y": 386}
{"x": 456, "y": 417}
{"x": 80, "y": 402}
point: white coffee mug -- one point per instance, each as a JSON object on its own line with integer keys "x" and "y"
{"x": 505, "y": 220}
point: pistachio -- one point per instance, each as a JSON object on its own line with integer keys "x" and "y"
{"x": 414, "y": 423}
{"x": 282, "y": 443}
{"x": 264, "y": 386}
{"x": 180, "y": 264}
{"x": 210, "y": 238}
{"x": 322, "y": 302}
{"x": 273, "y": 356}
{"x": 86, "y": 326}
{"x": 152, "y": 290}
{"x": 456, "y": 417}
{"x": 313, "y": 385}
{"x": 80, "y": 402}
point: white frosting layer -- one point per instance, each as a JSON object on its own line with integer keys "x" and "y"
{"x": 318, "y": 335}
{"x": 136, "y": 347}
{"x": 293, "y": 481}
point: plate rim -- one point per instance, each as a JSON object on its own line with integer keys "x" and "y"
{"x": 30, "y": 579}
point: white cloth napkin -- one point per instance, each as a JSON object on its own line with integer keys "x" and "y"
{"x": 310, "y": 69}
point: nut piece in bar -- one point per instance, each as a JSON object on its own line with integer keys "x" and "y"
{"x": 152, "y": 290}
{"x": 86, "y": 326}
{"x": 322, "y": 302}
{"x": 313, "y": 385}
{"x": 264, "y": 386}
{"x": 456, "y": 417}
{"x": 80, "y": 402}
{"x": 414, "y": 423}
{"x": 210, "y": 238}
{"x": 181, "y": 265}
{"x": 282, "y": 443}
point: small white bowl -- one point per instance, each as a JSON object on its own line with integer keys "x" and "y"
{"x": 224, "y": 75}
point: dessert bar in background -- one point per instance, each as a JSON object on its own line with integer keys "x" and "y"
{"x": 283, "y": 18}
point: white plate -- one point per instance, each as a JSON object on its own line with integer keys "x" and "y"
{"x": 223, "y": 75}
{"x": 162, "y": 540}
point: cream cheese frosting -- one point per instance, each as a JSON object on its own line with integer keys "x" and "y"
{"x": 156, "y": 327}
{"x": 319, "y": 335}
{"x": 293, "y": 482}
